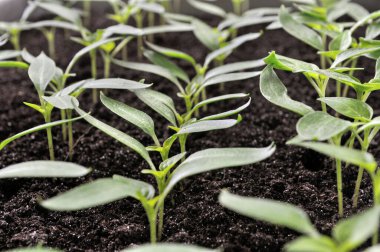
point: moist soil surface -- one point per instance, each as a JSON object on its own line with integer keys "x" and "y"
{"x": 193, "y": 214}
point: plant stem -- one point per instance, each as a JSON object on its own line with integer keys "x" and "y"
{"x": 139, "y": 24}
{"x": 47, "y": 116}
{"x": 71, "y": 137}
{"x": 50, "y": 37}
{"x": 152, "y": 218}
{"x": 150, "y": 24}
{"x": 237, "y": 7}
{"x": 357, "y": 187}
{"x": 338, "y": 164}
{"x": 107, "y": 65}
{"x": 64, "y": 127}
{"x": 87, "y": 11}
{"x": 94, "y": 75}
{"x": 15, "y": 40}
{"x": 182, "y": 144}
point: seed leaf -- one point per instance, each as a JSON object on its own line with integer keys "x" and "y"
{"x": 375, "y": 122}
{"x": 37, "y": 128}
{"x": 349, "y": 107}
{"x": 132, "y": 115}
{"x": 219, "y": 98}
{"x": 69, "y": 14}
{"x": 172, "y": 53}
{"x": 341, "y": 42}
{"x": 300, "y": 31}
{"x": 61, "y": 102}
{"x": 354, "y": 231}
{"x": 167, "y": 28}
{"x": 229, "y": 77}
{"x": 114, "y": 83}
{"x": 373, "y": 30}
{"x": 228, "y": 113}
{"x": 41, "y": 71}
{"x": 205, "y": 34}
{"x": 320, "y": 126}
{"x": 352, "y": 156}
{"x": 274, "y": 91}
{"x": 208, "y": 8}
{"x": 234, "y": 67}
{"x": 288, "y": 64}
{"x": 35, "y": 249}
{"x": 169, "y": 247}
{"x": 150, "y": 68}
{"x": 274, "y": 212}
{"x": 13, "y": 64}
{"x": 43, "y": 169}
{"x": 233, "y": 44}
{"x": 352, "y": 53}
{"x": 53, "y": 23}
{"x": 217, "y": 158}
{"x": 9, "y": 54}
{"x": 315, "y": 244}
{"x": 119, "y": 136}
{"x": 159, "y": 102}
{"x": 164, "y": 62}
{"x": 96, "y": 193}
{"x": 207, "y": 125}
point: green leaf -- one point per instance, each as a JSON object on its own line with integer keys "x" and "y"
{"x": 377, "y": 74}
{"x": 217, "y": 99}
{"x": 150, "y": 68}
{"x": 311, "y": 244}
{"x": 121, "y": 29}
{"x": 169, "y": 247}
{"x": 341, "y": 42}
{"x": 41, "y": 71}
{"x": 274, "y": 212}
{"x": 207, "y": 125}
{"x": 274, "y": 91}
{"x": 375, "y": 248}
{"x": 349, "y": 107}
{"x": 53, "y": 23}
{"x": 217, "y": 158}
{"x": 352, "y": 156}
{"x": 233, "y": 67}
{"x": 208, "y": 8}
{"x": 114, "y": 83}
{"x": 320, "y": 126}
{"x": 35, "y": 249}
{"x": 167, "y": 28}
{"x": 9, "y": 54}
{"x": 159, "y": 102}
{"x": 299, "y": 31}
{"x": 43, "y": 169}
{"x": 61, "y": 102}
{"x": 228, "y": 113}
{"x": 233, "y": 44}
{"x": 98, "y": 192}
{"x": 352, "y": 53}
{"x": 373, "y": 30}
{"x": 205, "y": 34}
{"x": 37, "y": 128}
{"x": 375, "y": 122}
{"x": 119, "y": 136}
{"x": 69, "y": 14}
{"x": 132, "y": 115}
{"x": 289, "y": 64}
{"x": 172, "y": 53}
{"x": 354, "y": 231}
{"x": 164, "y": 62}
{"x": 229, "y": 77}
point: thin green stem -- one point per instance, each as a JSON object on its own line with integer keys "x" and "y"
{"x": 15, "y": 41}
{"x": 355, "y": 197}
{"x": 339, "y": 183}
{"x": 107, "y": 65}
{"x": 94, "y": 74}
{"x": 87, "y": 11}
{"x": 71, "y": 137}
{"x": 64, "y": 126}
{"x": 47, "y": 116}
{"x": 139, "y": 24}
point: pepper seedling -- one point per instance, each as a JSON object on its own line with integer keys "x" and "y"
{"x": 107, "y": 190}
{"x": 347, "y": 235}
{"x": 194, "y": 89}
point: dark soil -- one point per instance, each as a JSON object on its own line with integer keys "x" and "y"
{"x": 294, "y": 175}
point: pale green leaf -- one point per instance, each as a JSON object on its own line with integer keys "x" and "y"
{"x": 208, "y": 8}
{"x": 349, "y": 107}
{"x": 41, "y": 71}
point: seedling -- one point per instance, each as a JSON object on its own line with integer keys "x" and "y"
{"x": 107, "y": 190}
{"x": 347, "y": 235}
{"x": 195, "y": 88}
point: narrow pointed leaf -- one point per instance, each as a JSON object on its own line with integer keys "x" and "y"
{"x": 315, "y": 244}
{"x": 233, "y": 44}
{"x": 299, "y": 30}
{"x": 172, "y": 53}
{"x": 208, "y": 8}
{"x": 289, "y": 64}
{"x": 13, "y": 64}
{"x": 352, "y": 156}
{"x": 274, "y": 91}
{"x": 205, "y": 34}
{"x": 96, "y": 193}
{"x": 61, "y": 102}
{"x": 207, "y": 125}
{"x": 9, "y": 54}
{"x": 132, "y": 115}
{"x": 43, "y": 169}
{"x": 212, "y": 159}
{"x": 114, "y": 83}
{"x": 274, "y": 212}
{"x": 119, "y": 136}
{"x": 229, "y": 77}
{"x": 167, "y": 28}
{"x": 37, "y": 128}
{"x": 234, "y": 67}
{"x": 159, "y": 102}
{"x": 219, "y": 98}
{"x": 69, "y": 14}
{"x": 352, "y": 53}
{"x": 228, "y": 113}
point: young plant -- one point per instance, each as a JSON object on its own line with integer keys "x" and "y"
{"x": 167, "y": 174}
{"x": 312, "y": 126}
{"x": 347, "y": 235}
{"x": 193, "y": 90}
